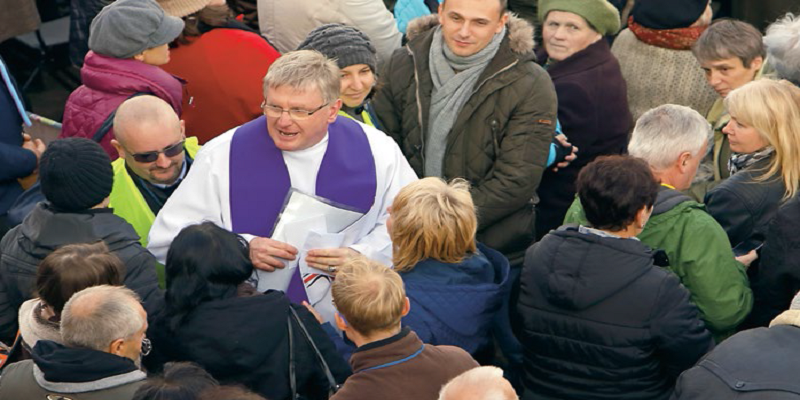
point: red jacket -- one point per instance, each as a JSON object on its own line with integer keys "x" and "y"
{"x": 224, "y": 69}
{"x": 107, "y": 82}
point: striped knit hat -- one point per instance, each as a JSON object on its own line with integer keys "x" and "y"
{"x": 75, "y": 174}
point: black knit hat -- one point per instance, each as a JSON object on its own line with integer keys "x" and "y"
{"x": 660, "y": 14}
{"x": 347, "y": 45}
{"x": 75, "y": 174}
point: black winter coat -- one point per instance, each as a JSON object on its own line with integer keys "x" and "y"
{"x": 745, "y": 206}
{"x": 245, "y": 340}
{"x": 594, "y": 114}
{"x": 757, "y": 364}
{"x": 45, "y": 230}
{"x": 600, "y": 321}
{"x": 778, "y": 277}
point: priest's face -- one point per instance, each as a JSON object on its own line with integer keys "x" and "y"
{"x": 298, "y": 119}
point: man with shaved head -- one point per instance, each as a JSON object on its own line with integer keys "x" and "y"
{"x": 482, "y": 383}
{"x": 154, "y": 157}
{"x": 103, "y": 339}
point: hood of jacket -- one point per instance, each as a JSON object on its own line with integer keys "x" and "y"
{"x": 126, "y": 76}
{"x": 577, "y": 270}
{"x": 520, "y": 34}
{"x": 456, "y": 303}
{"x": 75, "y": 370}
{"x": 46, "y": 229}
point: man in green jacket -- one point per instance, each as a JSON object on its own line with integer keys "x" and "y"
{"x": 673, "y": 140}
{"x": 154, "y": 157}
{"x": 491, "y": 123}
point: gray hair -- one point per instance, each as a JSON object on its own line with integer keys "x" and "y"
{"x": 305, "y": 70}
{"x": 99, "y": 315}
{"x": 484, "y": 383}
{"x": 663, "y": 133}
{"x": 783, "y": 46}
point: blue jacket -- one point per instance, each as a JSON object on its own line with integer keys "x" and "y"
{"x": 15, "y": 162}
{"x": 455, "y": 304}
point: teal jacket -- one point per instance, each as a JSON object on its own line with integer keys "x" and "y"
{"x": 699, "y": 254}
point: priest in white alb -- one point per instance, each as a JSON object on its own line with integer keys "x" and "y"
{"x": 240, "y": 179}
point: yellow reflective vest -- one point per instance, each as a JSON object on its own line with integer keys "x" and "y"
{"x": 364, "y": 115}
{"x": 127, "y": 201}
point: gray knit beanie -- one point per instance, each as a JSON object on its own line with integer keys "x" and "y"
{"x": 75, "y": 174}
{"x": 126, "y": 28}
{"x": 347, "y": 45}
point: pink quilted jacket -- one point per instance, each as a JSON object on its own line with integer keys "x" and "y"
{"x": 107, "y": 82}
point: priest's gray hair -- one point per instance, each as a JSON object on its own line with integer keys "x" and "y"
{"x": 99, "y": 315}
{"x": 662, "y": 134}
{"x": 305, "y": 70}
{"x": 783, "y": 47}
{"x": 480, "y": 383}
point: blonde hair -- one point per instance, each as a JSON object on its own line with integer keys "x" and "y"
{"x": 432, "y": 219}
{"x": 773, "y": 109}
{"x": 369, "y": 295}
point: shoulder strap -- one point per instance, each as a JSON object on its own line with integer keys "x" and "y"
{"x": 333, "y": 387}
{"x": 109, "y": 121}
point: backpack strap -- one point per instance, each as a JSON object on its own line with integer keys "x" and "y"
{"x": 108, "y": 123}
{"x": 333, "y": 387}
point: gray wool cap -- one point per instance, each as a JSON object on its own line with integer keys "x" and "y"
{"x": 126, "y": 28}
{"x": 347, "y": 45}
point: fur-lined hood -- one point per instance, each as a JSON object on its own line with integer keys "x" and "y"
{"x": 520, "y": 32}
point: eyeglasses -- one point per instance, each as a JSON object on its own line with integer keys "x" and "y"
{"x": 295, "y": 114}
{"x": 151, "y": 156}
{"x": 147, "y": 347}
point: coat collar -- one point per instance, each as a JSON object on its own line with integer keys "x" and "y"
{"x": 597, "y": 53}
{"x": 388, "y": 351}
{"x": 520, "y": 33}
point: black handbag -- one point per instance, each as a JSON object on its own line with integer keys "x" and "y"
{"x": 333, "y": 387}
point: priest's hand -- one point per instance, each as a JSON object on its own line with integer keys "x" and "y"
{"x": 329, "y": 260}
{"x": 266, "y": 253}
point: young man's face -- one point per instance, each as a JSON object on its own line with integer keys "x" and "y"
{"x": 728, "y": 74}
{"x": 469, "y": 25}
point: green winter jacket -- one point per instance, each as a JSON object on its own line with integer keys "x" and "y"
{"x": 500, "y": 139}
{"x": 700, "y": 254}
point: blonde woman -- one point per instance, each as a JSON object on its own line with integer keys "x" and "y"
{"x": 765, "y": 161}
{"x": 456, "y": 286}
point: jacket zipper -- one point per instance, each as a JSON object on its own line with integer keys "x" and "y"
{"x": 419, "y": 109}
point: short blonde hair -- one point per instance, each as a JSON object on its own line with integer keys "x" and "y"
{"x": 369, "y": 295}
{"x": 305, "y": 70}
{"x": 773, "y": 109}
{"x": 432, "y": 219}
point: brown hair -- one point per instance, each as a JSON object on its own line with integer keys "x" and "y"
{"x": 432, "y": 219}
{"x": 214, "y": 16}
{"x": 727, "y": 38}
{"x": 73, "y": 268}
{"x": 369, "y": 295}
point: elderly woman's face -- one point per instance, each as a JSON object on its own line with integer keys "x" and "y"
{"x": 566, "y": 33}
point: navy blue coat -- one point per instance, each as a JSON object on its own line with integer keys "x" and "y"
{"x": 456, "y": 304}
{"x": 15, "y": 162}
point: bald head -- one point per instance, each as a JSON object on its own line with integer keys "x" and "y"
{"x": 482, "y": 383}
{"x": 138, "y": 115}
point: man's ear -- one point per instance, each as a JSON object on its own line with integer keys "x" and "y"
{"x": 683, "y": 161}
{"x": 341, "y": 323}
{"x": 757, "y": 63}
{"x": 116, "y": 347}
{"x": 117, "y": 146}
{"x": 183, "y": 128}
{"x": 503, "y": 21}
{"x": 406, "y": 306}
{"x": 335, "y": 107}
{"x": 139, "y": 57}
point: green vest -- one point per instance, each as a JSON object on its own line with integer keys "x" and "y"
{"x": 127, "y": 201}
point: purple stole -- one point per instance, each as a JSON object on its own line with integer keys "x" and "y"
{"x": 259, "y": 180}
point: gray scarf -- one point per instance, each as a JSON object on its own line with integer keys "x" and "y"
{"x": 740, "y": 161}
{"x": 451, "y": 91}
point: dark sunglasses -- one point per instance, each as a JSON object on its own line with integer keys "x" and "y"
{"x": 151, "y": 156}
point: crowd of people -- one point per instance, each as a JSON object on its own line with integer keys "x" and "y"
{"x": 410, "y": 199}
